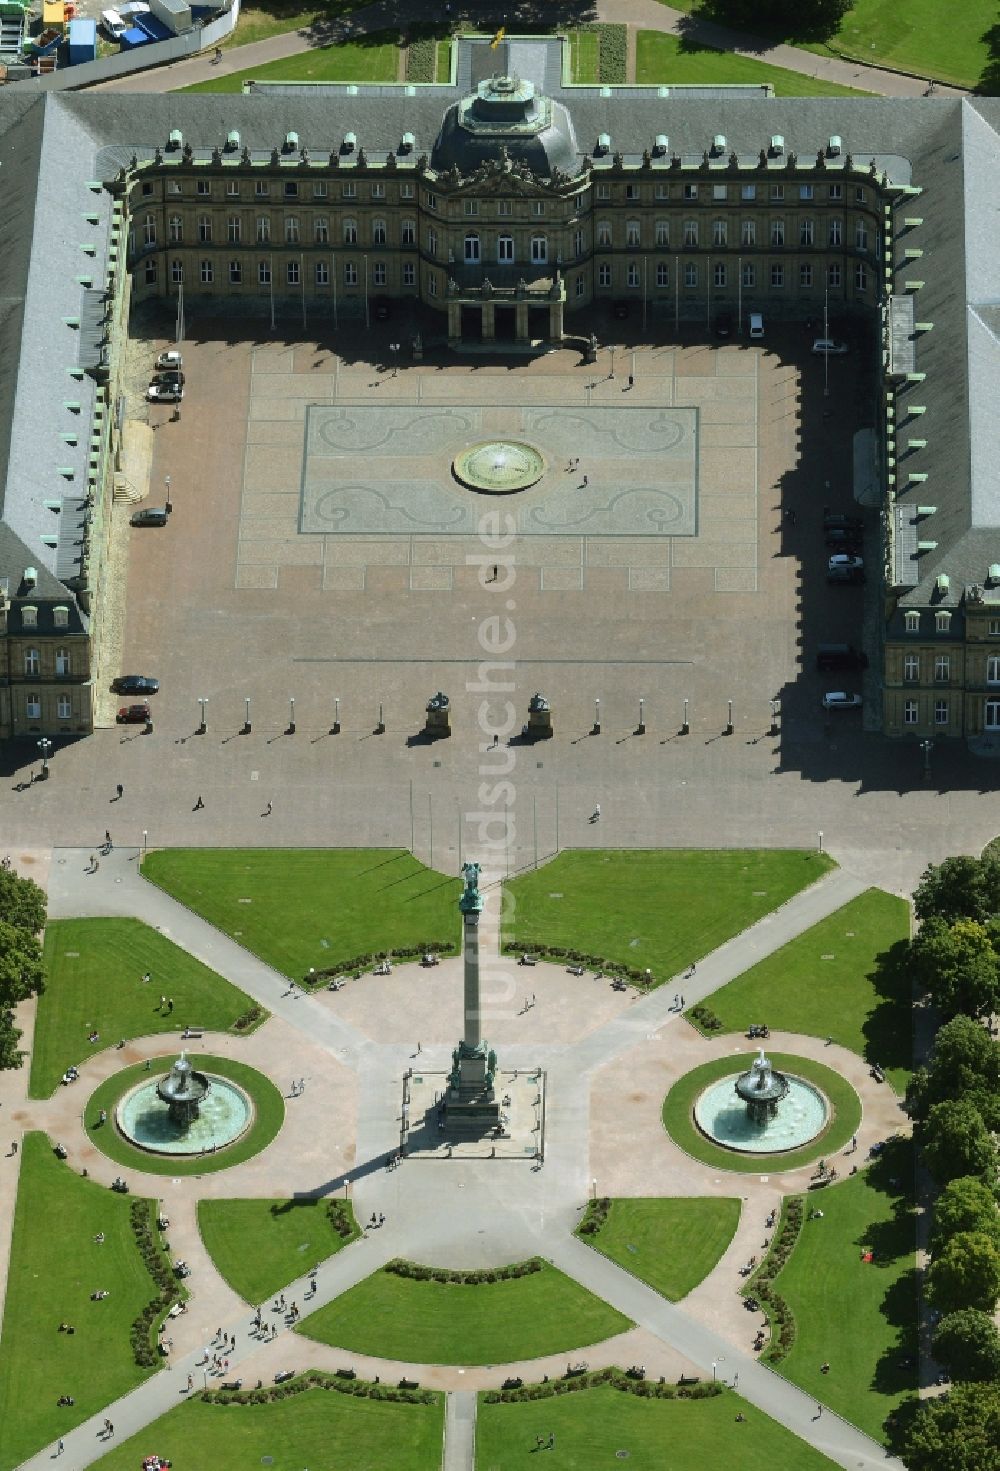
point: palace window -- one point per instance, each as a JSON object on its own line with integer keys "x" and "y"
{"x": 472, "y": 249}
{"x": 63, "y": 662}
{"x": 505, "y": 249}
{"x": 319, "y": 189}
{"x": 720, "y": 232}
{"x": 321, "y": 273}
{"x": 204, "y": 186}
{"x": 911, "y": 668}
{"x": 408, "y": 233}
{"x": 690, "y": 273}
{"x": 321, "y": 230}
{"x": 350, "y": 273}
{"x": 942, "y": 668}
{"x": 860, "y": 235}
{"x": 748, "y": 191}
{"x": 911, "y": 621}
{"x": 235, "y": 273}
{"x": 378, "y": 232}
{"x": 662, "y": 274}
{"x": 806, "y": 231}
{"x": 291, "y": 229}
{"x": 176, "y": 230}
{"x": 32, "y": 662}
{"x": 263, "y": 273}
{"x": 539, "y": 249}
{"x": 33, "y": 707}
{"x": 805, "y": 275}
{"x": 942, "y": 622}
{"x": 604, "y": 275}
{"x": 261, "y": 188}
{"x": 379, "y": 276}
{"x": 690, "y": 232}
{"x": 472, "y": 206}
{"x": 633, "y": 234}
{"x": 350, "y": 232}
{"x": 748, "y": 232}
{"x": 833, "y": 274}
{"x": 662, "y": 234}
{"x": 409, "y": 273}
{"x": 432, "y": 241}
{"x": 149, "y": 230}
{"x": 176, "y": 271}
{"x": 777, "y": 232}
{"x": 910, "y": 712}
{"x": 940, "y": 712}
{"x": 207, "y": 272}
{"x": 234, "y": 229}
{"x": 860, "y": 276}
{"x": 292, "y": 272}
{"x": 64, "y": 707}
{"x": 205, "y": 229}
{"x": 749, "y": 275}
{"x": 233, "y": 188}
{"x": 777, "y": 275}
{"x": 993, "y": 669}
{"x": 836, "y": 232}
{"x": 719, "y": 274}
{"x": 632, "y": 276}
{"x": 263, "y": 229}
{"x": 604, "y": 233}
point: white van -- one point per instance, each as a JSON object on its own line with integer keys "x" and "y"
{"x": 113, "y": 24}
{"x": 756, "y": 327}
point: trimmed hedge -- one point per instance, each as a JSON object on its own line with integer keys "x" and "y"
{"x": 358, "y": 963}
{"x": 317, "y": 1379}
{"x": 416, "y": 1270}
{"x": 154, "y": 1253}
{"x": 340, "y": 1214}
{"x": 705, "y": 1019}
{"x": 250, "y": 1019}
{"x": 421, "y": 60}
{"x": 595, "y": 1216}
{"x": 761, "y": 1284}
{"x": 612, "y": 50}
{"x": 572, "y": 1384}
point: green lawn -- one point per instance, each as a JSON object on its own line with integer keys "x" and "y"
{"x": 374, "y": 60}
{"x": 318, "y": 1428}
{"x": 591, "y": 1427}
{"x": 859, "y": 1317}
{"x": 443, "y": 72}
{"x": 922, "y": 36}
{"x": 663, "y": 58}
{"x": 584, "y": 56}
{"x": 55, "y": 1265}
{"x": 94, "y": 970}
{"x": 260, "y": 1246}
{"x": 269, "y": 1115}
{"x": 845, "y": 978}
{"x": 662, "y": 908}
{"x": 671, "y": 1244}
{"x": 257, "y": 22}
{"x": 297, "y": 907}
{"x": 677, "y": 1120}
{"x": 445, "y": 1323}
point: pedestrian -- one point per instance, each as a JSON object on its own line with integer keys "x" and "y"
{"x": 218, "y": 54}
{"x": 302, "y": 1085}
{"x": 736, "y": 1379}
{"x": 94, "y": 863}
{"x": 170, "y": 1005}
{"x": 585, "y": 482}
{"x": 419, "y": 1048}
{"x": 163, "y": 1002}
{"x": 682, "y": 1003}
{"x": 496, "y": 572}
{"x": 13, "y": 1146}
{"x": 381, "y": 1219}
{"x": 854, "y": 1142}
{"x": 819, "y": 1411}
{"x": 147, "y": 978}
{"x": 111, "y": 1428}
{"x": 119, "y": 791}
{"x": 199, "y": 804}
{"x": 107, "y": 841}
{"x": 677, "y": 1002}
{"x": 60, "y": 1447}
{"x": 595, "y": 816}
{"x": 267, "y": 810}
{"x": 532, "y": 998}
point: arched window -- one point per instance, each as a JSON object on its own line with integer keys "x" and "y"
{"x": 505, "y": 249}
{"x": 205, "y": 228}
{"x": 350, "y": 232}
{"x": 472, "y": 248}
{"x": 378, "y": 232}
{"x": 62, "y": 661}
{"x": 539, "y": 249}
{"x": 176, "y": 229}
{"x": 32, "y": 661}
{"x": 149, "y": 230}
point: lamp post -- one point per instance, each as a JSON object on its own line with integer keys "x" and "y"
{"x": 291, "y": 714}
{"x": 685, "y": 723}
{"x": 145, "y": 841}
{"x": 611, "y": 375}
{"x": 927, "y": 747}
{"x": 729, "y": 719}
{"x": 819, "y": 835}
{"x": 394, "y": 349}
{"x": 246, "y": 718}
{"x": 202, "y": 723}
{"x": 774, "y": 717}
{"x": 641, "y": 727}
{"x": 597, "y": 717}
{"x": 336, "y": 716}
{"x": 380, "y": 728}
{"x": 45, "y": 746}
{"x": 168, "y": 503}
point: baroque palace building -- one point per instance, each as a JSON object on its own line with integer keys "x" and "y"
{"x": 507, "y": 207}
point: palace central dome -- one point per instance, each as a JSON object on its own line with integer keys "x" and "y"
{"x": 507, "y": 114}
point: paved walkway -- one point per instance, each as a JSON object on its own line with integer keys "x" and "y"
{"x": 460, "y": 1431}
{"x": 536, "y": 1217}
{"x": 637, "y": 14}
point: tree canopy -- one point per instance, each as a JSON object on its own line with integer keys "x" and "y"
{"x": 959, "y": 888}
{"x": 957, "y": 965}
{"x": 965, "y": 1204}
{"x": 965, "y": 1274}
{"x": 965, "y": 1064}
{"x": 804, "y": 19}
{"x": 957, "y": 1142}
{"x": 960, "y": 1431}
{"x": 22, "y": 915}
{"x": 969, "y": 1344}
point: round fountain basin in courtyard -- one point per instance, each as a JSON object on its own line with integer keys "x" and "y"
{"x": 224, "y": 1116}
{"x": 499, "y": 466}
{"x": 722, "y": 1116}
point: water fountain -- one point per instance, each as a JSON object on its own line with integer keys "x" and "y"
{"x": 185, "y": 1112}
{"x": 760, "y": 1110}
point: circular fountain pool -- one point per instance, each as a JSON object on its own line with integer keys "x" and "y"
{"x": 722, "y": 1115}
{"x": 224, "y": 1115}
{"x": 499, "y": 466}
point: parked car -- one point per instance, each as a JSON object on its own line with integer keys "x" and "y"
{"x": 840, "y": 656}
{"x": 164, "y": 393}
{"x": 170, "y": 378}
{"x": 841, "y": 700}
{"x": 827, "y": 347}
{"x": 833, "y": 519}
{"x": 844, "y": 562}
{"x": 756, "y": 327}
{"x": 150, "y": 516}
{"x": 171, "y": 358}
{"x": 724, "y": 324}
{"x": 381, "y": 308}
{"x": 134, "y": 714}
{"x": 113, "y": 24}
{"x": 135, "y": 684}
{"x": 845, "y": 537}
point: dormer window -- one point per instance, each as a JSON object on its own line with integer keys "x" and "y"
{"x": 942, "y": 622}
{"x": 60, "y": 617}
{"x": 911, "y": 622}
{"x": 29, "y": 617}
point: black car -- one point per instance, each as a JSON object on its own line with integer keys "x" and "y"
{"x": 135, "y": 684}
{"x": 169, "y": 378}
{"x": 843, "y": 538}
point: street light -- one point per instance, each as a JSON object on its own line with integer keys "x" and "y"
{"x": 336, "y": 716}
{"x": 145, "y": 838}
{"x": 202, "y": 724}
{"x": 641, "y": 728}
{"x": 45, "y": 746}
{"x": 927, "y": 747}
{"x": 291, "y": 714}
{"x": 597, "y": 717}
{"x": 394, "y": 349}
{"x": 168, "y": 503}
{"x": 246, "y": 722}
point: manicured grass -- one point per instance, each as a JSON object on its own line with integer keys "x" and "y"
{"x": 257, "y": 22}
{"x": 665, "y": 58}
{"x": 671, "y": 1244}
{"x": 923, "y": 37}
{"x": 269, "y": 1115}
{"x": 55, "y": 1265}
{"x": 94, "y": 970}
{"x": 443, "y": 73}
{"x": 659, "y": 909}
{"x": 592, "y": 1426}
{"x": 584, "y": 56}
{"x": 859, "y": 1317}
{"x": 297, "y": 908}
{"x": 843, "y": 1123}
{"x": 259, "y": 1246}
{"x": 373, "y": 61}
{"x": 445, "y": 1323}
{"x": 845, "y": 978}
{"x": 318, "y": 1428}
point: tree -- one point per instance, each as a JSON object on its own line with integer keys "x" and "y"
{"x": 957, "y": 964}
{"x": 21, "y": 973}
{"x": 965, "y": 1064}
{"x": 969, "y": 1344}
{"x": 805, "y": 19}
{"x": 959, "y": 888}
{"x": 965, "y": 1274}
{"x": 957, "y": 1142}
{"x": 960, "y": 1431}
{"x": 965, "y": 1204}
{"x": 22, "y": 902}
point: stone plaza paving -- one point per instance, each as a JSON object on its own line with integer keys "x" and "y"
{"x": 606, "y": 1074}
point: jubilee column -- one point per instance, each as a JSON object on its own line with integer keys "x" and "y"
{"x": 470, "y": 1101}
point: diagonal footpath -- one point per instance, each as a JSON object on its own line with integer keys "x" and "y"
{"x": 783, "y": 1401}
{"x": 730, "y": 960}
